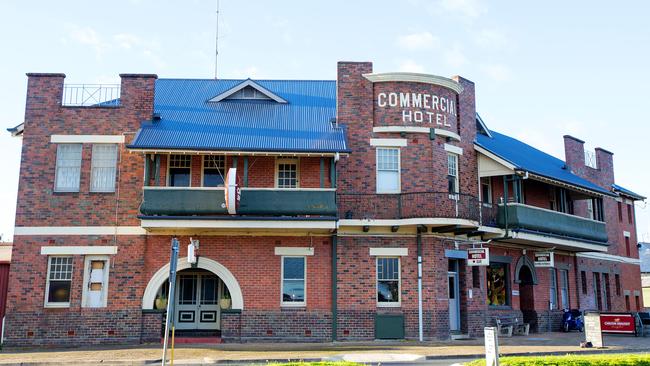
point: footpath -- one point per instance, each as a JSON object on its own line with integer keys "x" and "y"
{"x": 366, "y": 352}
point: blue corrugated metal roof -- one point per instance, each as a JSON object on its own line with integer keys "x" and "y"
{"x": 627, "y": 192}
{"x": 190, "y": 122}
{"x": 528, "y": 158}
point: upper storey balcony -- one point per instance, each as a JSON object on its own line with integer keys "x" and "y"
{"x": 182, "y": 187}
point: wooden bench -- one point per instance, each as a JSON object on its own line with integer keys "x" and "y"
{"x": 509, "y": 325}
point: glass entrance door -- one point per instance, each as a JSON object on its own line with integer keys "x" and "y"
{"x": 197, "y": 302}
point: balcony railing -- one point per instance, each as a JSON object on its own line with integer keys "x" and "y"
{"x": 91, "y": 95}
{"x": 196, "y": 201}
{"x": 537, "y": 219}
{"x": 408, "y": 205}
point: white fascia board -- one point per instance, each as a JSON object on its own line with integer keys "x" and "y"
{"x": 389, "y": 252}
{"x": 238, "y": 224}
{"x": 558, "y": 241}
{"x": 415, "y": 78}
{"x": 79, "y": 250}
{"x": 87, "y": 139}
{"x": 407, "y": 222}
{"x": 388, "y": 142}
{"x": 609, "y": 257}
{"x": 407, "y": 129}
{"x": 492, "y": 156}
{"x": 294, "y": 251}
{"x": 79, "y": 230}
{"x": 446, "y": 133}
{"x": 453, "y": 149}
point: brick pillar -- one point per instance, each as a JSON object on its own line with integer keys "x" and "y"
{"x": 44, "y": 95}
{"x": 467, "y": 131}
{"x": 137, "y": 93}
{"x": 605, "y": 163}
{"x": 355, "y": 112}
{"x": 574, "y": 153}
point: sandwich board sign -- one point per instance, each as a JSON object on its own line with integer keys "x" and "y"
{"x": 491, "y": 346}
{"x": 478, "y": 257}
{"x": 593, "y": 332}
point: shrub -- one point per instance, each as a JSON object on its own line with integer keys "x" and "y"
{"x": 574, "y": 360}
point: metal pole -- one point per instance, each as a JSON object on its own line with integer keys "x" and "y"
{"x": 173, "y": 261}
{"x": 420, "y": 325}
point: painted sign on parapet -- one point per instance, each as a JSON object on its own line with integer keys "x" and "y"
{"x": 544, "y": 259}
{"x": 491, "y": 346}
{"x": 478, "y": 257}
{"x": 593, "y": 332}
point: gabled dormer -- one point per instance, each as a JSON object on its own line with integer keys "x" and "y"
{"x": 248, "y": 90}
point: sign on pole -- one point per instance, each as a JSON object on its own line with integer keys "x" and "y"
{"x": 491, "y": 346}
{"x": 478, "y": 257}
{"x": 544, "y": 259}
{"x": 593, "y": 332}
{"x": 169, "y": 321}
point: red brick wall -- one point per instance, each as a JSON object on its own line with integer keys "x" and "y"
{"x": 254, "y": 264}
{"x": 37, "y": 204}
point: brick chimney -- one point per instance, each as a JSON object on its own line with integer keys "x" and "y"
{"x": 605, "y": 163}
{"x": 574, "y": 154}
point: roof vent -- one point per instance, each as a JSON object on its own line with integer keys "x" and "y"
{"x": 156, "y": 117}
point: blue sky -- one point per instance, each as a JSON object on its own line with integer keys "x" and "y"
{"x": 542, "y": 69}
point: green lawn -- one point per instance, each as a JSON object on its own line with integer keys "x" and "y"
{"x": 326, "y": 363}
{"x": 574, "y": 360}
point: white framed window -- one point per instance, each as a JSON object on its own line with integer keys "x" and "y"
{"x": 564, "y": 288}
{"x": 388, "y": 282}
{"x": 95, "y": 290}
{"x": 287, "y": 173}
{"x": 179, "y": 172}
{"x": 388, "y": 170}
{"x": 452, "y": 174}
{"x": 294, "y": 275}
{"x": 68, "y": 167}
{"x": 213, "y": 170}
{"x": 553, "y": 288}
{"x": 486, "y": 191}
{"x": 103, "y": 168}
{"x": 58, "y": 282}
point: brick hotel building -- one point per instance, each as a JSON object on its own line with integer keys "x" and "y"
{"x": 312, "y": 202}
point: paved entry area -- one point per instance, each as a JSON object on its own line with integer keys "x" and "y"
{"x": 377, "y": 351}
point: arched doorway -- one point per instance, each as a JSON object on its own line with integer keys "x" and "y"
{"x": 527, "y": 296}
{"x": 199, "y": 289}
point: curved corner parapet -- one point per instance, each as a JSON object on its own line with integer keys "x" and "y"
{"x": 415, "y": 78}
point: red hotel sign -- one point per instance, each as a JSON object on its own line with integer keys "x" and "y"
{"x": 478, "y": 257}
{"x": 617, "y": 323}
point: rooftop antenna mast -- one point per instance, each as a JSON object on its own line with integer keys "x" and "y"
{"x": 216, "y": 46}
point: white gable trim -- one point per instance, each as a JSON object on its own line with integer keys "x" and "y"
{"x": 244, "y": 84}
{"x": 483, "y": 125}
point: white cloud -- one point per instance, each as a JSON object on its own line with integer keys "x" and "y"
{"x": 411, "y": 66}
{"x": 416, "y": 41}
{"x": 491, "y": 38}
{"x": 455, "y": 57}
{"x": 467, "y": 8}
{"x": 86, "y": 36}
{"x": 497, "y": 72}
{"x": 126, "y": 40}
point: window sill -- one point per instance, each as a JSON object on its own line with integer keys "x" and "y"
{"x": 389, "y": 305}
{"x": 57, "y": 306}
{"x": 301, "y": 306}
{"x": 499, "y": 307}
